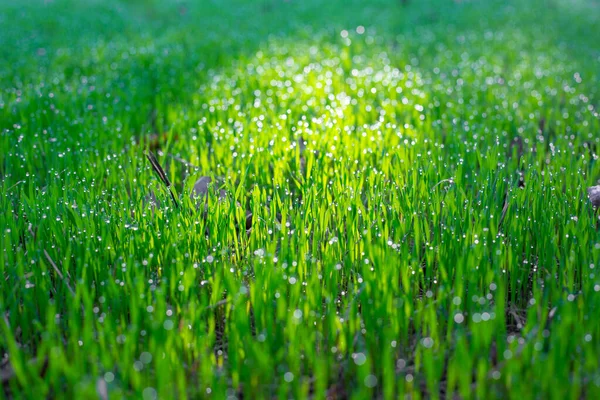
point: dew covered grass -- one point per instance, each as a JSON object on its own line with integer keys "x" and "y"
{"x": 417, "y": 176}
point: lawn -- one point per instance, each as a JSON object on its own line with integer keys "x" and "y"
{"x": 397, "y": 205}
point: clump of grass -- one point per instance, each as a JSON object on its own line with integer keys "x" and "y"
{"x": 416, "y": 180}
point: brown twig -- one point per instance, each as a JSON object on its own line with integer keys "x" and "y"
{"x": 161, "y": 174}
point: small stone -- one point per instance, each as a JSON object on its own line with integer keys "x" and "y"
{"x": 200, "y": 189}
{"x": 248, "y": 221}
{"x": 594, "y": 195}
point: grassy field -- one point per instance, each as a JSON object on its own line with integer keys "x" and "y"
{"x": 416, "y": 174}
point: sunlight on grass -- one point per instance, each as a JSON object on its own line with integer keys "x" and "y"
{"x": 417, "y": 178}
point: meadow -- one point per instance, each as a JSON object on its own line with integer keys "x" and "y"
{"x": 398, "y": 204}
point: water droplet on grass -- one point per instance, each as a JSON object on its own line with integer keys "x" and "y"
{"x": 149, "y": 394}
{"x": 370, "y": 381}
{"x": 146, "y": 357}
{"x": 288, "y": 377}
{"x": 109, "y": 377}
{"x": 359, "y": 358}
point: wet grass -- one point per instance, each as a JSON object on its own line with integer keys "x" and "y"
{"x": 417, "y": 176}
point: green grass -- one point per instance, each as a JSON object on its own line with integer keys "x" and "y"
{"x": 400, "y": 253}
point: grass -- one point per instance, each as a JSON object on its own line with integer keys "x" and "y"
{"x": 433, "y": 239}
